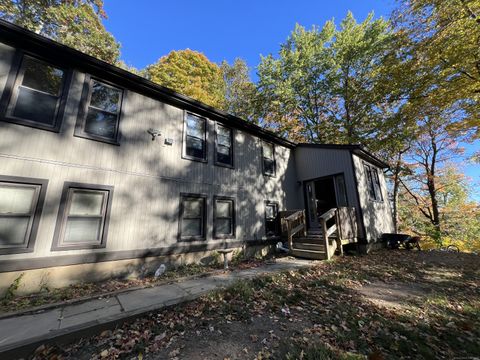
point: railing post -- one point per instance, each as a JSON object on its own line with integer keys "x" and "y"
{"x": 304, "y": 221}
{"x": 323, "y": 223}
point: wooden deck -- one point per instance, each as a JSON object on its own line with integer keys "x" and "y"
{"x": 319, "y": 243}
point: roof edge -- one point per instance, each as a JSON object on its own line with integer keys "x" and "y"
{"x": 19, "y": 37}
{"x": 357, "y": 149}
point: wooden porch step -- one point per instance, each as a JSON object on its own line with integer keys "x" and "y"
{"x": 310, "y": 254}
{"x": 314, "y": 246}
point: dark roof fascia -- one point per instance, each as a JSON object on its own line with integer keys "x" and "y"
{"x": 354, "y": 148}
{"x": 368, "y": 156}
{"x": 19, "y": 37}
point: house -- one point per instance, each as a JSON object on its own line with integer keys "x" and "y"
{"x": 103, "y": 172}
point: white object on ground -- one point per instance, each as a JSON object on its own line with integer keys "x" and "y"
{"x": 161, "y": 270}
{"x": 281, "y": 247}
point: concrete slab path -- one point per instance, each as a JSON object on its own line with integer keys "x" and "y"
{"x": 20, "y": 335}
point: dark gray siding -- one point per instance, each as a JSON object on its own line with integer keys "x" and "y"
{"x": 148, "y": 176}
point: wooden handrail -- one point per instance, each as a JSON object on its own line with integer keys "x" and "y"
{"x": 294, "y": 224}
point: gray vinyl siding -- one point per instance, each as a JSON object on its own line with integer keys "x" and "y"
{"x": 377, "y": 215}
{"x": 313, "y": 163}
{"x": 147, "y": 176}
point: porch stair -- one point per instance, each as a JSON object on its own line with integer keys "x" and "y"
{"x": 318, "y": 243}
{"x": 310, "y": 246}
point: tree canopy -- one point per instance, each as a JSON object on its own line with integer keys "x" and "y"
{"x": 191, "y": 73}
{"x": 74, "y": 23}
{"x": 324, "y": 84}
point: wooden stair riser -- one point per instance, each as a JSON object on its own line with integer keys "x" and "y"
{"x": 309, "y": 246}
{"x": 309, "y": 254}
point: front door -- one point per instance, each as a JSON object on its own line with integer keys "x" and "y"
{"x": 312, "y": 205}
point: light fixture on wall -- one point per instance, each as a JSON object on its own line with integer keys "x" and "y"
{"x": 154, "y": 133}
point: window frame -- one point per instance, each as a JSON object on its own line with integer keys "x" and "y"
{"x": 277, "y": 229}
{"x": 232, "y": 147}
{"x": 15, "y": 77}
{"x": 265, "y": 173}
{"x": 377, "y": 185}
{"x": 62, "y": 217}
{"x": 35, "y": 216}
{"x": 203, "y": 222}
{"x": 373, "y": 183}
{"x": 204, "y": 159}
{"x": 85, "y": 105}
{"x": 232, "y": 235}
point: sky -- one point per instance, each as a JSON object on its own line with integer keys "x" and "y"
{"x": 227, "y": 29}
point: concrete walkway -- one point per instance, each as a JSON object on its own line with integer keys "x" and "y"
{"x": 20, "y": 335}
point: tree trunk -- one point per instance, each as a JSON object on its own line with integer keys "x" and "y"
{"x": 432, "y": 191}
{"x": 396, "y": 185}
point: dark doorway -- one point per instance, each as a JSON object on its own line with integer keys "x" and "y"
{"x": 325, "y": 194}
{"x": 322, "y": 195}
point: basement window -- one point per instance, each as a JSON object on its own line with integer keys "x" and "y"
{"x": 271, "y": 218}
{"x": 192, "y": 216}
{"x": 21, "y": 202}
{"x": 224, "y": 217}
{"x": 83, "y": 217}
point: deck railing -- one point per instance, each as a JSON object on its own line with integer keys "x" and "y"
{"x": 293, "y": 223}
{"x": 345, "y": 226}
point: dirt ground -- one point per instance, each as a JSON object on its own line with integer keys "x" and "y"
{"x": 389, "y": 304}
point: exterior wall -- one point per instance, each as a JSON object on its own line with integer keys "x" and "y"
{"x": 147, "y": 176}
{"x": 377, "y": 215}
{"x": 313, "y": 163}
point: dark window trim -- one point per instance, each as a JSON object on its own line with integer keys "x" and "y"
{"x": 83, "y": 112}
{"x": 37, "y": 213}
{"x": 234, "y": 223}
{"x": 377, "y": 184}
{"x": 274, "y": 160}
{"x": 373, "y": 170}
{"x": 269, "y": 202}
{"x": 184, "y": 138}
{"x": 232, "y": 146}
{"x": 57, "y": 244}
{"x": 204, "y": 220}
{"x": 11, "y": 91}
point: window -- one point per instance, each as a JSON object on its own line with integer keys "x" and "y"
{"x": 223, "y": 217}
{"x": 192, "y": 216}
{"x": 195, "y": 138}
{"x": 268, "y": 156}
{"x": 271, "y": 218}
{"x": 373, "y": 183}
{"x": 223, "y": 146}
{"x": 100, "y": 115}
{"x": 376, "y": 185}
{"x": 83, "y": 217}
{"x": 36, "y": 96}
{"x": 21, "y": 202}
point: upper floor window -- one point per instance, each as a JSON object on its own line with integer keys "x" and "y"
{"x": 268, "y": 157}
{"x": 100, "y": 116}
{"x": 373, "y": 183}
{"x": 195, "y": 138}
{"x": 83, "y": 217}
{"x": 36, "y": 96}
{"x": 192, "y": 216}
{"x": 224, "y": 146}
{"x": 21, "y": 202}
